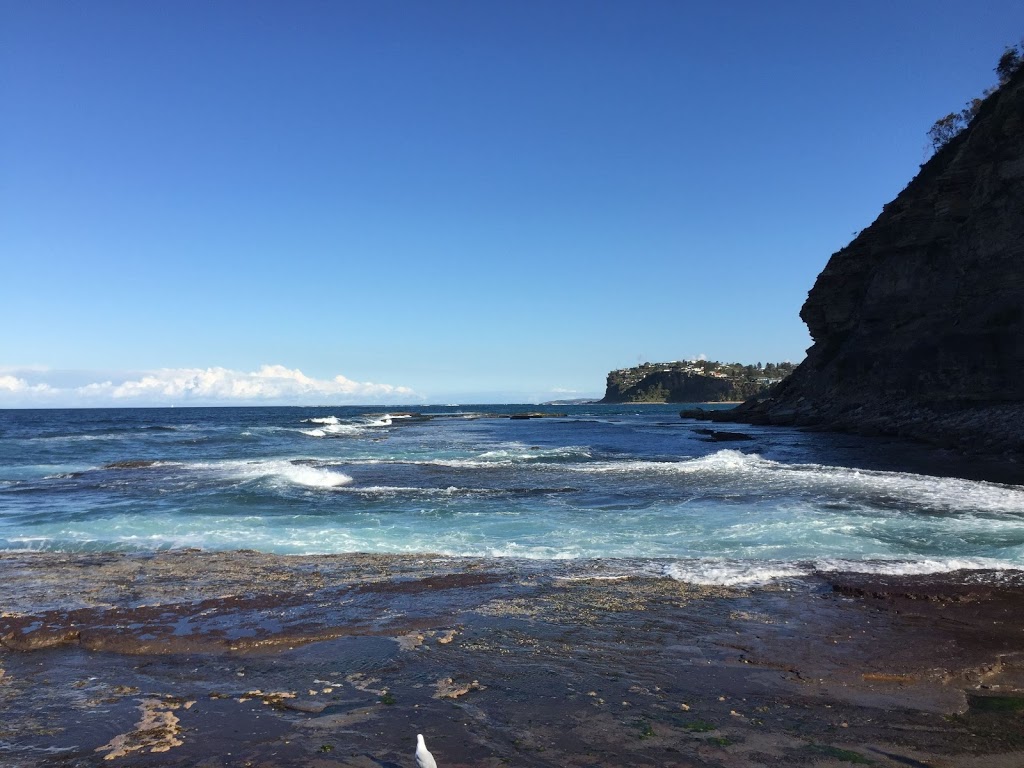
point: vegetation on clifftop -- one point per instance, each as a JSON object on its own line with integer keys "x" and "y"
{"x": 689, "y": 381}
{"x": 950, "y": 126}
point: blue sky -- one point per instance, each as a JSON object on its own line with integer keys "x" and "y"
{"x": 443, "y": 201}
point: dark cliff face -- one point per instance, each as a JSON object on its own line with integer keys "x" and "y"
{"x": 918, "y": 324}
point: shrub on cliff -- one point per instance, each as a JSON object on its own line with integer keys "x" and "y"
{"x": 946, "y": 128}
{"x": 1009, "y": 63}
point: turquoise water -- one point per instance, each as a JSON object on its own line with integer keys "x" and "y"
{"x": 636, "y": 483}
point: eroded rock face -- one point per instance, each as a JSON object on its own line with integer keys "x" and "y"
{"x": 918, "y": 324}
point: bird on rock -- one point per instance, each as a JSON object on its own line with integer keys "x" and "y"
{"x": 423, "y": 757}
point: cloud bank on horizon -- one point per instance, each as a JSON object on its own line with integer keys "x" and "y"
{"x": 270, "y": 385}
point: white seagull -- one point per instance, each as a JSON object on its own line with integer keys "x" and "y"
{"x": 423, "y": 757}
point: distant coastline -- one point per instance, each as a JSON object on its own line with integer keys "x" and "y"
{"x": 693, "y": 381}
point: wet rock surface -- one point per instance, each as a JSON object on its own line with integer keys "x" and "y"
{"x": 242, "y": 659}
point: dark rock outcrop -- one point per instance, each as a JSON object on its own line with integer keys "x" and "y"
{"x": 720, "y": 436}
{"x": 918, "y": 324}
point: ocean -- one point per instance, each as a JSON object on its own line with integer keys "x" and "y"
{"x": 635, "y": 486}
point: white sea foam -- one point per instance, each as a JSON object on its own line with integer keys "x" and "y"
{"x": 386, "y": 420}
{"x": 332, "y": 426}
{"x": 277, "y": 470}
{"x": 752, "y": 473}
{"x": 324, "y": 420}
{"x": 334, "y": 430}
{"x": 519, "y": 452}
{"x": 498, "y": 457}
{"x": 731, "y": 573}
{"x": 312, "y": 477}
{"x": 920, "y": 567}
{"x": 486, "y": 460}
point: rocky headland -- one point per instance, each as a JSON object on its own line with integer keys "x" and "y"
{"x": 692, "y": 381}
{"x": 918, "y": 323}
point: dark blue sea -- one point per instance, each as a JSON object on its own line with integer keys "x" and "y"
{"x": 634, "y": 483}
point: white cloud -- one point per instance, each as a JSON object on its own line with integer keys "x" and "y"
{"x": 14, "y": 384}
{"x": 270, "y": 384}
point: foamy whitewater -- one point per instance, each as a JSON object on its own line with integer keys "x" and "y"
{"x": 637, "y": 484}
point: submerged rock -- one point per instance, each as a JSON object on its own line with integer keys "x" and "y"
{"x": 720, "y": 436}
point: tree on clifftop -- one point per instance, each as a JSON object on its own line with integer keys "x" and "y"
{"x": 1009, "y": 63}
{"x": 946, "y": 128}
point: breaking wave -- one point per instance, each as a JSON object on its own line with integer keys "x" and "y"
{"x": 743, "y": 471}
{"x": 332, "y": 426}
{"x": 281, "y": 471}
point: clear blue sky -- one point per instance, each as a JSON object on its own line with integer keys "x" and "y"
{"x": 470, "y": 200}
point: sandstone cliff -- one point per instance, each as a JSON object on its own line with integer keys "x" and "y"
{"x": 668, "y": 387}
{"x": 918, "y": 324}
{"x": 691, "y": 381}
